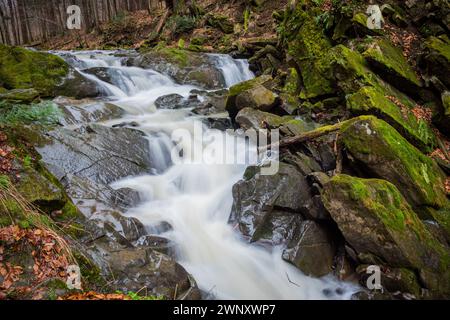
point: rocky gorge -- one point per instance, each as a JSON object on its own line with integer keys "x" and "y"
{"x": 363, "y": 179}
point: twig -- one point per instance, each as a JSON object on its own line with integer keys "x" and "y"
{"x": 289, "y": 279}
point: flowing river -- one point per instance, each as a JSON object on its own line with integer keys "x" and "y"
{"x": 195, "y": 198}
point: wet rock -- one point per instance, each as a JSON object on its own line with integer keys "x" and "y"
{"x": 100, "y": 154}
{"x": 138, "y": 268}
{"x": 312, "y": 250}
{"x": 103, "y": 73}
{"x": 263, "y": 205}
{"x": 77, "y": 112}
{"x": 171, "y": 101}
{"x": 20, "y": 96}
{"x": 387, "y": 155}
{"x": 378, "y": 223}
{"x": 219, "y": 122}
{"x": 75, "y": 85}
{"x": 184, "y": 66}
{"x": 213, "y": 102}
{"x": 276, "y": 227}
{"x": 130, "y": 228}
{"x": 156, "y": 243}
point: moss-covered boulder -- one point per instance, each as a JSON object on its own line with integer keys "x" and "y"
{"x": 370, "y": 100}
{"x": 21, "y": 68}
{"x": 389, "y": 61}
{"x": 20, "y": 95}
{"x": 383, "y": 152}
{"x": 186, "y": 67}
{"x": 252, "y": 94}
{"x": 376, "y": 220}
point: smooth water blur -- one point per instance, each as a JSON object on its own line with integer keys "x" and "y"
{"x": 196, "y": 199}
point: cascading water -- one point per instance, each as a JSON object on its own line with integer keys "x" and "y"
{"x": 195, "y": 198}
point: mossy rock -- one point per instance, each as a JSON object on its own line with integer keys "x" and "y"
{"x": 20, "y": 96}
{"x": 41, "y": 192}
{"x": 220, "y": 22}
{"x": 369, "y": 100}
{"x": 389, "y": 62}
{"x": 307, "y": 48}
{"x": 243, "y": 92}
{"x": 21, "y": 68}
{"x": 376, "y": 219}
{"x": 385, "y": 154}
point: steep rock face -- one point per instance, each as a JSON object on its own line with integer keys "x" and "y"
{"x": 29, "y": 21}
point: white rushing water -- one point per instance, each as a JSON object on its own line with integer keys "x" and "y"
{"x": 196, "y": 199}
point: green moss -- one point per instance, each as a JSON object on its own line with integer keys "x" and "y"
{"x": 440, "y": 46}
{"x": 175, "y": 55}
{"x": 246, "y": 85}
{"x": 308, "y": 48}
{"x": 391, "y": 61}
{"x": 23, "y": 69}
{"x": 369, "y": 100}
{"x": 370, "y": 199}
{"x": 90, "y": 273}
{"x": 374, "y": 141}
{"x": 379, "y": 196}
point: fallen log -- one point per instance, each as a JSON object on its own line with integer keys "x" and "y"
{"x": 307, "y": 136}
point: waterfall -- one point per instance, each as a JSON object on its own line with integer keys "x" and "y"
{"x": 233, "y": 70}
{"x": 195, "y": 198}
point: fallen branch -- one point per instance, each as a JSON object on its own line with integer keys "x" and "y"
{"x": 307, "y": 136}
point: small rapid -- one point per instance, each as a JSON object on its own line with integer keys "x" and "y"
{"x": 195, "y": 198}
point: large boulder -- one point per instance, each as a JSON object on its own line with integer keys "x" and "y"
{"x": 370, "y": 100}
{"x": 380, "y": 225}
{"x": 382, "y": 151}
{"x": 21, "y": 68}
{"x": 268, "y": 207}
{"x": 389, "y": 61}
{"x": 251, "y": 94}
{"x": 99, "y": 153}
{"x": 75, "y": 85}
{"x": 185, "y": 67}
{"x": 312, "y": 249}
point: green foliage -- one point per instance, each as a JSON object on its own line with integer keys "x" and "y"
{"x": 27, "y": 161}
{"x": 181, "y": 44}
{"x": 136, "y": 297}
{"x": 44, "y": 113}
{"x": 247, "y": 14}
{"x": 4, "y": 182}
{"x": 181, "y": 24}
